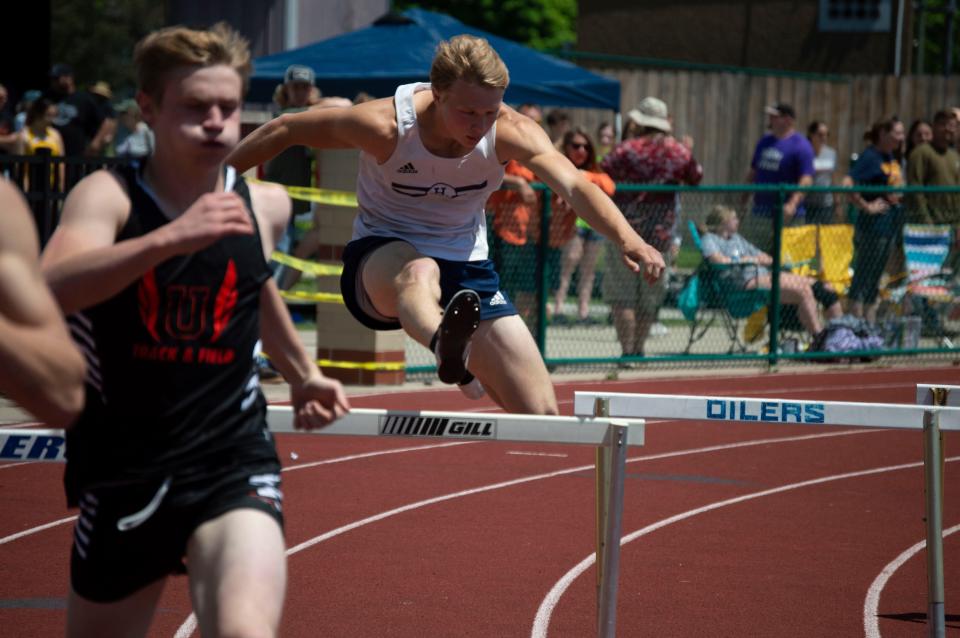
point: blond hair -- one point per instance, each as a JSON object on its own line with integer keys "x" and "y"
{"x": 468, "y": 58}
{"x": 162, "y": 51}
{"x": 718, "y": 216}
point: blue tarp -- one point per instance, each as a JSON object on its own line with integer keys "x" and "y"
{"x": 398, "y": 49}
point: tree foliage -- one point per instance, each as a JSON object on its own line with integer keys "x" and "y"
{"x": 540, "y": 24}
{"x": 933, "y": 38}
{"x": 96, "y": 37}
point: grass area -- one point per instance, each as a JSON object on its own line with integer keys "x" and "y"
{"x": 689, "y": 258}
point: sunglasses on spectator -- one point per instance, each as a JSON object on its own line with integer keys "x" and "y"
{"x": 576, "y": 146}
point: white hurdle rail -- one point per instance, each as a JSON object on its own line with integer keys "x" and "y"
{"x": 611, "y": 436}
{"x": 938, "y": 409}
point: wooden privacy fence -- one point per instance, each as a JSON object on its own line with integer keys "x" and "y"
{"x": 723, "y": 111}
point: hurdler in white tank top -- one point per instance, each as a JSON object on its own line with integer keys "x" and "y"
{"x": 434, "y": 203}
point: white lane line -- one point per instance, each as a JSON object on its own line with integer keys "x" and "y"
{"x": 4, "y": 467}
{"x": 871, "y": 622}
{"x": 341, "y": 459}
{"x": 519, "y": 453}
{"x": 34, "y": 530}
{"x": 190, "y": 624}
{"x": 542, "y": 620}
{"x": 365, "y": 455}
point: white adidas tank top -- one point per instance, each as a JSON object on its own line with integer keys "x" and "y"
{"x": 434, "y": 203}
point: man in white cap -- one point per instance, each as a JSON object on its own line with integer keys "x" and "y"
{"x": 654, "y": 156}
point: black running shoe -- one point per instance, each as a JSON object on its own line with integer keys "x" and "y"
{"x": 460, "y": 320}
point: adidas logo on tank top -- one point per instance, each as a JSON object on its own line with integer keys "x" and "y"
{"x": 407, "y": 168}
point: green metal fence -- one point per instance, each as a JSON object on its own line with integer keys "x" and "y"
{"x": 906, "y": 256}
{"x": 829, "y": 269}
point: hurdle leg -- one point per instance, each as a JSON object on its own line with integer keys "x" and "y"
{"x": 601, "y": 408}
{"x": 615, "y": 449}
{"x": 933, "y": 482}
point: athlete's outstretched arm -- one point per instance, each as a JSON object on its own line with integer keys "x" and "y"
{"x": 370, "y": 126}
{"x": 83, "y": 262}
{"x": 317, "y": 400}
{"x": 41, "y": 368}
{"x": 519, "y": 138}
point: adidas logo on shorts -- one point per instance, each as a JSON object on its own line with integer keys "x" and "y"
{"x": 407, "y": 168}
{"x": 498, "y": 299}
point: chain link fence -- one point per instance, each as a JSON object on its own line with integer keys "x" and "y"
{"x": 746, "y": 280}
{"x": 851, "y": 284}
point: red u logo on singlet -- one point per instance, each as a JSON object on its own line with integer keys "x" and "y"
{"x": 186, "y": 311}
{"x": 187, "y": 307}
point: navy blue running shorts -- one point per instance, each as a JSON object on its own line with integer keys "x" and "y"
{"x": 479, "y": 276}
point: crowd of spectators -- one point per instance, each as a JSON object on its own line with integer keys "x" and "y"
{"x": 650, "y": 152}
{"x": 66, "y": 121}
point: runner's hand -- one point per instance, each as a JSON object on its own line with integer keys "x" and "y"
{"x": 644, "y": 258}
{"x": 212, "y": 217}
{"x": 317, "y": 402}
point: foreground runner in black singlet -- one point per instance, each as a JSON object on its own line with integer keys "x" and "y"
{"x": 164, "y": 267}
{"x": 41, "y": 369}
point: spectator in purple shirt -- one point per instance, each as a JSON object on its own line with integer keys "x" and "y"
{"x": 782, "y": 156}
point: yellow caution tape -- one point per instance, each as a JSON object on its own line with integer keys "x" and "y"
{"x": 372, "y": 365}
{"x": 305, "y": 266}
{"x": 318, "y": 195}
{"x": 388, "y": 366}
{"x": 312, "y": 297}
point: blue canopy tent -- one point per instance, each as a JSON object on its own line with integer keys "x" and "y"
{"x": 398, "y": 49}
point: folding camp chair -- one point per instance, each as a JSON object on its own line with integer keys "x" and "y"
{"x": 719, "y": 298}
{"x": 835, "y": 243}
{"x": 927, "y": 287}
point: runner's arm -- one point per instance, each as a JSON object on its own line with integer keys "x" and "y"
{"x": 316, "y": 399}
{"x": 41, "y": 368}
{"x": 370, "y": 126}
{"x": 521, "y": 139}
{"x": 83, "y": 262}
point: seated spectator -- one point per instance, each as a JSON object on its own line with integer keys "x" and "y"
{"x": 583, "y": 246}
{"x": 722, "y": 244}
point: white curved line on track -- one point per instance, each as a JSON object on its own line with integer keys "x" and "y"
{"x": 190, "y": 624}
{"x": 9, "y": 465}
{"x": 542, "y": 620}
{"x": 339, "y": 459}
{"x": 871, "y": 622}
{"x": 34, "y": 530}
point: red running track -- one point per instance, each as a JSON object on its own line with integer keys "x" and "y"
{"x": 487, "y": 530}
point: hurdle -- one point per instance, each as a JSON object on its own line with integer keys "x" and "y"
{"x": 933, "y": 455}
{"x": 611, "y": 436}
{"x": 937, "y": 410}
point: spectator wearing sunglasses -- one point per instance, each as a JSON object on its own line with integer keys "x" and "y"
{"x": 581, "y": 243}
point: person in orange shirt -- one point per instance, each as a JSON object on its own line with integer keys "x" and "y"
{"x": 516, "y": 216}
{"x": 581, "y": 244}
